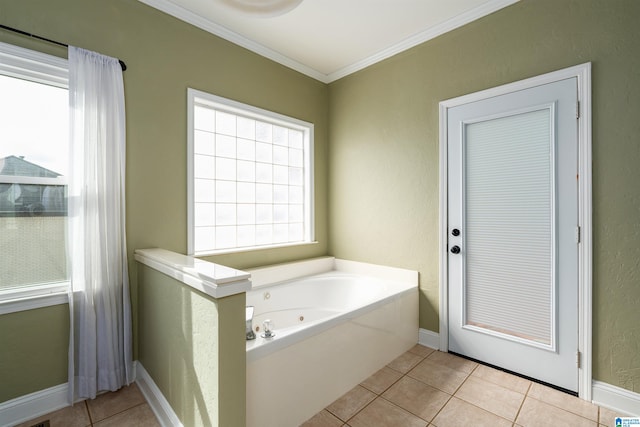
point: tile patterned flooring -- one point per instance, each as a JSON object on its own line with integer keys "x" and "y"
{"x": 124, "y": 408}
{"x": 421, "y": 388}
{"x": 424, "y": 387}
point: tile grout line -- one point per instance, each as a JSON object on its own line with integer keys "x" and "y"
{"x": 526, "y": 394}
{"x": 379, "y": 396}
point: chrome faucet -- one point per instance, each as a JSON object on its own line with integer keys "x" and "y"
{"x": 249, "y": 323}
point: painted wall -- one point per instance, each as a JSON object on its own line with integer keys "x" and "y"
{"x": 33, "y": 350}
{"x": 164, "y": 56}
{"x": 383, "y": 161}
{"x": 193, "y": 347}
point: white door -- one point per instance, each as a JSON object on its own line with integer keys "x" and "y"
{"x": 512, "y": 232}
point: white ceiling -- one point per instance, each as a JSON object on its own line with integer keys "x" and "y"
{"x": 329, "y": 39}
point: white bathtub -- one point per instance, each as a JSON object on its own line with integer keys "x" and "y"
{"x": 333, "y": 329}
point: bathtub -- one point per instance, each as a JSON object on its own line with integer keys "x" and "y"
{"x": 336, "y": 322}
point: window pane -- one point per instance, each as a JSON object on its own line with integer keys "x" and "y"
{"x": 254, "y": 176}
{"x": 246, "y": 171}
{"x": 34, "y": 146}
{"x": 263, "y": 131}
{"x": 225, "y": 146}
{"x": 204, "y": 166}
{"x": 280, "y": 155}
{"x": 296, "y": 139}
{"x": 264, "y": 214}
{"x": 246, "y": 235}
{"x": 225, "y": 169}
{"x": 264, "y": 152}
{"x": 205, "y": 214}
{"x": 225, "y": 123}
{"x": 205, "y": 143}
{"x": 264, "y": 172}
{"x": 204, "y": 190}
{"x": 280, "y": 174}
{"x": 280, "y": 135}
{"x": 204, "y": 119}
{"x": 225, "y": 237}
{"x": 225, "y": 214}
{"x": 246, "y": 214}
{"x": 246, "y": 128}
{"x": 280, "y": 194}
{"x": 246, "y": 192}
{"x": 225, "y": 192}
{"x": 246, "y": 149}
{"x": 205, "y": 238}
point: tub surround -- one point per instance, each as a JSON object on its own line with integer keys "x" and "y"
{"x": 315, "y": 362}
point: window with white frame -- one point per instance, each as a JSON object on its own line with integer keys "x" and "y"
{"x": 34, "y": 150}
{"x": 250, "y": 177}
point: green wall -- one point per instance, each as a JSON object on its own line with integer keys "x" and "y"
{"x": 383, "y": 161}
{"x": 193, "y": 346}
{"x": 164, "y": 56}
{"x": 377, "y": 182}
{"x": 33, "y": 350}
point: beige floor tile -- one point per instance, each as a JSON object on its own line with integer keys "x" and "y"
{"x": 503, "y": 379}
{"x": 535, "y": 413}
{"x": 138, "y": 416}
{"x": 491, "y": 397}
{"x": 381, "y": 413}
{"x": 607, "y": 416}
{"x": 417, "y": 397}
{"x": 452, "y": 361}
{"x": 71, "y": 416}
{"x": 351, "y": 402}
{"x": 323, "y": 419}
{"x": 458, "y": 413}
{"x": 438, "y": 376}
{"x": 112, "y": 403}
{"x": 564, "y": 401}
{"x": 381, "y": 380}
{"x": 421, "y": 350}
{"x": 405, "y": 362}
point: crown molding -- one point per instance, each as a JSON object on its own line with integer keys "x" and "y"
{"x": 233, "y": 37}
{"x": 189, "y": 17}
{"x": 419, "y": 38}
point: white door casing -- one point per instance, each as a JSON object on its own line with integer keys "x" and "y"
{"x": 487, "y": 107}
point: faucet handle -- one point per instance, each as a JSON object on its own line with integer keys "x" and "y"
{"x": 267, "y": 325}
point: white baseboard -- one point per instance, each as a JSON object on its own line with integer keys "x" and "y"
{"x": 159, "y": 404}
{"x": 33, "y": 405}
{"x": 618, "y": 399}
{"x": 429, "y": 338}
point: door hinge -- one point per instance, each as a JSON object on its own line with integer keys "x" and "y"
{"x": 578, "y": 234}
{"x": 578, "y": 359}
{"x": 577, "y": 109}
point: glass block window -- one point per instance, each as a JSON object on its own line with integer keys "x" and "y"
{"x": 250, "y": 177}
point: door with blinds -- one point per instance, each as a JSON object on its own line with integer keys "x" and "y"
{"x": 512, "y": 232}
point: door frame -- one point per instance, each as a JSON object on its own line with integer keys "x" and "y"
{"x": 582, "y": 73}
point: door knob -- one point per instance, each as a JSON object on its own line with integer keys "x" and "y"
{"x": 455, "y": 249}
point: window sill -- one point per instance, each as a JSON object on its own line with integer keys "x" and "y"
{"x": 252, "y": 248}
{"x": 45, "y": 296}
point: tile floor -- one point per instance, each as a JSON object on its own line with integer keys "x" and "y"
{"x": 124, "y": 408}
{"x": 421, "y": 388}
{"x": 424, "y": 388}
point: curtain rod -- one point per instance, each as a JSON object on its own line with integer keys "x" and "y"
{"x": 24, "y": 33}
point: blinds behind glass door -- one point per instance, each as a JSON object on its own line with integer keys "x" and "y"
{"x": 508, "y": 167}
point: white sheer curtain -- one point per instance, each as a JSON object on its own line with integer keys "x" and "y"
{"x": 100, "y": 343}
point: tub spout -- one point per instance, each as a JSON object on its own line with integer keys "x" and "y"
{"x": 249, "y": 323}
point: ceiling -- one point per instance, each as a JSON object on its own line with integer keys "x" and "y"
{"x": 330, "y": 39}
